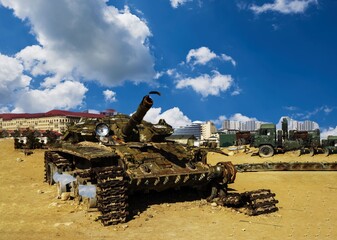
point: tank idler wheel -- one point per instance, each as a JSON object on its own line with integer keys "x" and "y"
{"x": 266, "y": 151}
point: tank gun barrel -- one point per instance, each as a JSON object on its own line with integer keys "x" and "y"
{"x": 138, "y": 116}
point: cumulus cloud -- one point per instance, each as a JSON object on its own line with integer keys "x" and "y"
{"x": 109, "y": 96}
{"x": 12, "y": 79}
{"x": 174, "y": 116}
{"x": 284, "y": 6}
{"x": 88, "y": 40}
{"x": 65, "y": 95}
{"x": 241, "y": 118}
{"x": 200, "y": 56}
{"x": 207, "y": 85}
{"x": 203, "y": 55}
{"x": 76, "y": 41}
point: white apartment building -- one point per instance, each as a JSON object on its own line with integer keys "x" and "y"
{"x": 207, "y": 130}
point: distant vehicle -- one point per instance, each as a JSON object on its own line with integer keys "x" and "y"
{"x": 330, "y": 145}
{"x": 269, "y": 141}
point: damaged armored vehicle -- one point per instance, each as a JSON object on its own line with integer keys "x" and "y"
{"x": 105, "y": 159}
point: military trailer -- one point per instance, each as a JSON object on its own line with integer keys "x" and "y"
{"x": 330, "y": 145}
{"x": 311, "y": 140}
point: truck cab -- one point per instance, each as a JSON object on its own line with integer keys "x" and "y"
{"x": 265, "y": 140}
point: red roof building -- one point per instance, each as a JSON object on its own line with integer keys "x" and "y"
{"x": 55, "y": 120}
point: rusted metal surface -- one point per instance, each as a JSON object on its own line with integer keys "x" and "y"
{"x": 286, "y": 166}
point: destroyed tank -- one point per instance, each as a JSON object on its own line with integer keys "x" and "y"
{"x": 103, "y": 160}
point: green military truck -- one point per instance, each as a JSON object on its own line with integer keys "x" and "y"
{"x": 269, "y": 140}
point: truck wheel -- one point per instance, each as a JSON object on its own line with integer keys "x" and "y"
{"x": 326, "y": 152}
{"x": 266, "y": 151}
{"x": 312, "y": 152}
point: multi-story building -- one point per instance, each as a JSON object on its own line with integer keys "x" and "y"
{"x": 194, "y": 129}
{"x": 55, "y": 120}
{"x": 299, "y": 125}
{"x": 251, "y": 125}
{"x": 207, "y": 130}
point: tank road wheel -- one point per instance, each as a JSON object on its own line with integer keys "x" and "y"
{"x": 111, "y": 195}
{"x": 266, "y": 151}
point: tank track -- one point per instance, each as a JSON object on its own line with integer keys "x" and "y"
{"x": 111, "y": 194}
{"x": 286, "y": 166}
{"x": 54, "y": 159}
{"x": 252, "y": 203}
{"x": 111, "y": 186}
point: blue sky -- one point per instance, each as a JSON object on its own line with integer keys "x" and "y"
{"x": 211, "y": 60}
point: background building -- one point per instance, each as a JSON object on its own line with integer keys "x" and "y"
{"x": 207, "y": 130}
{"x": 55, "y": 120}
{"x": 299, "y": 125}
{"x": 194, "y": 129}
{"x": 251, "y": 125}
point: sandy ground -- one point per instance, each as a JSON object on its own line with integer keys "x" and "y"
{"x": 30, "y": 210}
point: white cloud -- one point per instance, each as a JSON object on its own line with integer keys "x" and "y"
{"x": 203, "y": 55}
{"x": 85, "y": 40}
{"x": 33, "y": 59}
{"x": 4, "y": 110}
{"x": 206, "y": 84}
{"x": 241, "y": 118}
{"x": 200, "y": 56}
{"x": 77, "y": 40}
{"x": 236, "y": 91}
{"x": 16, "y": 90}
{"x": 330, "y": 131}
{"x": 109, "y": 96}
{"x": 229, "y": 59}
{"x": 219, "y": 120}
{"x": 324, "y": 109}
{"x": 12, "y": 79}
{"x": 65, "y": 95}
{"x": 174, "y": 116}
{"x": 284, "y": 6}
{"x": 176, "y": 3}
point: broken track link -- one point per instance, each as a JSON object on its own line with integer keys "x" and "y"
{"x": 252, "y": 203}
